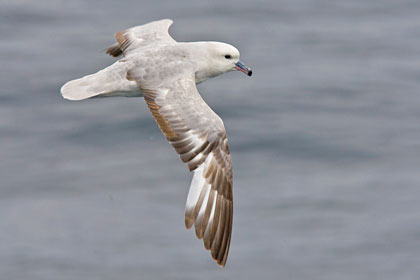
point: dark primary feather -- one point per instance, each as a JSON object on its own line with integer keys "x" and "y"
{"x": 114, "y": 50}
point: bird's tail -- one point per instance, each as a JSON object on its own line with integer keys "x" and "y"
{"x": 111, "y": 81}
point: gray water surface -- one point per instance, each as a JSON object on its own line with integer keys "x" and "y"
{"x": 325, "y": 140}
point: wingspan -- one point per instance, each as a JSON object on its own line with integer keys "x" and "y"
{"x": 199, "y": 137}
{"x": 141, "y": 36}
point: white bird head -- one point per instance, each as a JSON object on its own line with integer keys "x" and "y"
{"x": 218, "y": 58}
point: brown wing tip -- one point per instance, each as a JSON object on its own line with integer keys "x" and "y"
{"x": 222, "y": 262}
{"x": 221, "y": 257}
{"x": 188, "y": 222}
{"x": 217, "y": 238}
{"x": 114, "y": 51}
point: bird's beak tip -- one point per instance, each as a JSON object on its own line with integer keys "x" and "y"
{"x": 241, "y": 67}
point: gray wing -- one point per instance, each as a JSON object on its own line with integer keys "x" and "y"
{"x": 137, "y": 37}
{"x": 199, "y": 137}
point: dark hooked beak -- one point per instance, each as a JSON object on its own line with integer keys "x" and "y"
{"x": 241, "y": 67}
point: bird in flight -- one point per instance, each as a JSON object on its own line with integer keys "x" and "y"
{"x": 165, "y": 72}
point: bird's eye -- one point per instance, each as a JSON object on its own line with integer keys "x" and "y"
{"x": 228, "y": 56}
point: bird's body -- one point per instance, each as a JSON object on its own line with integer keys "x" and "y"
{"x": 166, "y": 72}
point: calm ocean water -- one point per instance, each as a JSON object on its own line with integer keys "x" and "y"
{"x": 325, "y": 139}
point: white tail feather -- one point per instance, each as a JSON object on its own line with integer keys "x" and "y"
{"x": 111, "y": 81}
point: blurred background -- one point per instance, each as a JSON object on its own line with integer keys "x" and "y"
{"x": 325, "y": 139}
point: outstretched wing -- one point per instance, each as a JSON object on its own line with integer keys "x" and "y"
{"x": 199, "y": 137}
{"x": 141, "y": 36}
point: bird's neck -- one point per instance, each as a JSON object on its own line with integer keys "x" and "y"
{"x": 203, "y": 67}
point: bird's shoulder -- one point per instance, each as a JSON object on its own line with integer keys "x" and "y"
{"x": 161, "y": 67}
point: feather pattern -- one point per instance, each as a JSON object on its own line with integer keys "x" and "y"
{"x": 199, "y": 137}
